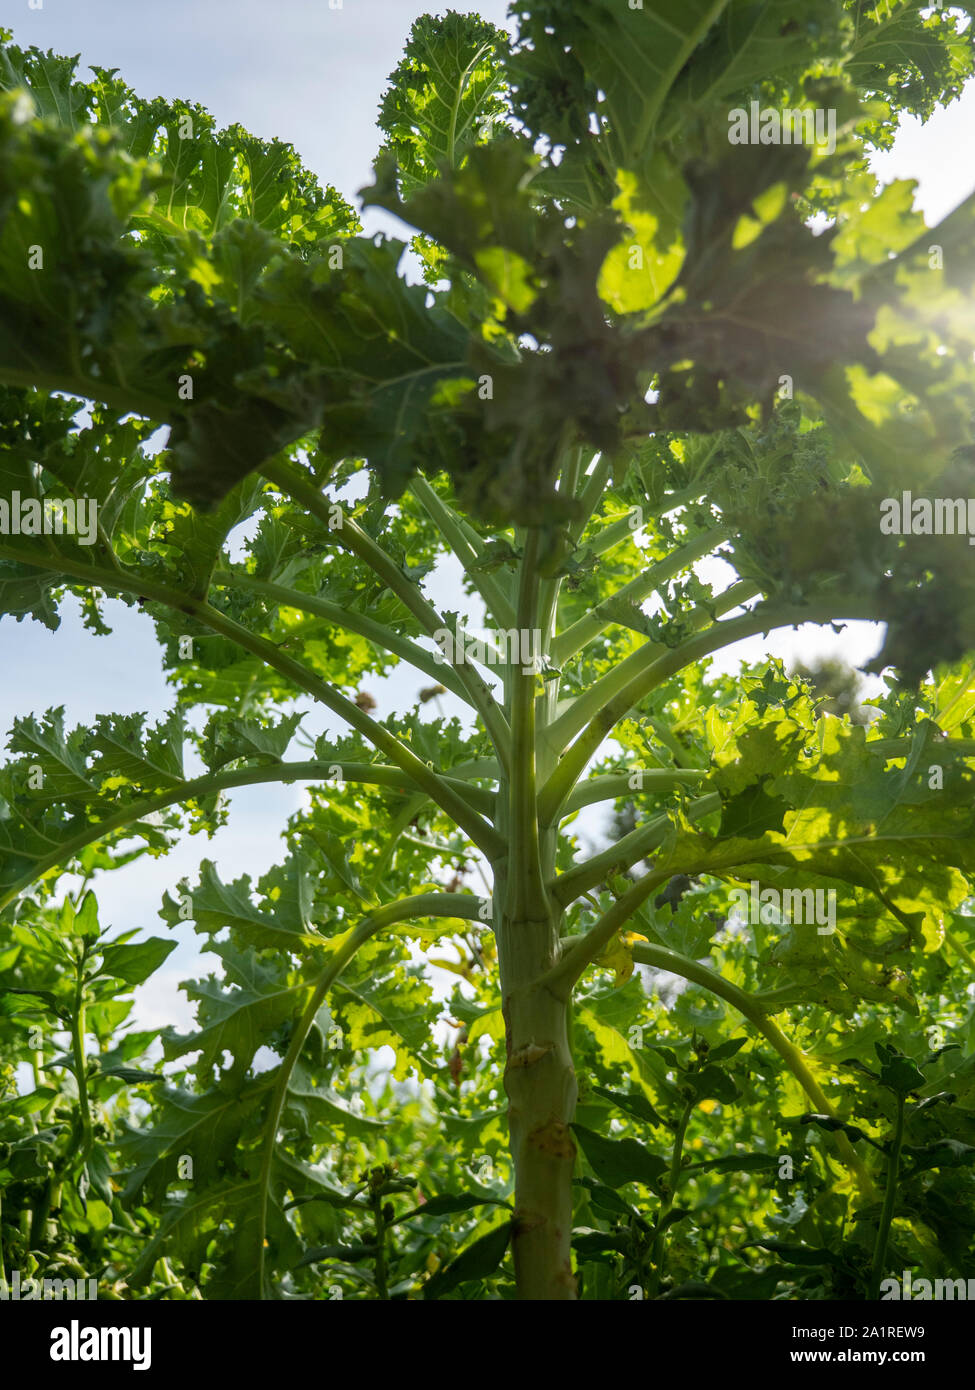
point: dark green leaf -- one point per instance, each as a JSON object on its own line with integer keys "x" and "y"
{"x": 478, "y": 1261}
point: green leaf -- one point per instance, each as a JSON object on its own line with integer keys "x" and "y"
{"x": 712, "y": 1082}
{"x": 729, "y": 1282}
{"x": 606, "y": 1200}
{"x": 134, "y": 964}
{"x": 284, "y": 921}
{"x": 752, "y": 812}
{"x": 237, "y": 1013}
{"x": 724, "y": 1050}
{"x": 133, "y": 1076}
{"x": 478, "y": 1261}
{"x": 734, "y": 1163}
{"x": 832, "y": 1125}
{"x": 47, "y": 997}
{"x": 897, "y": 1072}
{"x": 594, "y": 1244}
{"x": 632, "y": 1103}
{"x": 447, "y": 1204}
{"x": 345, "y": 1254}
{"x": 98, "y": 1171}
{"x": 619, "y": 1161}
{"x": 444, "y": 95}
{"x": 631, "y": 57}
{"x": 27, "y": 1104}
{"x": 942, "y": 1153}
{"x": 800, "y": 1254}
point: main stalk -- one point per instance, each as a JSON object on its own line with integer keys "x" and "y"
{"x": 539, "y": 1076}
{"x": 540, "y": 1083}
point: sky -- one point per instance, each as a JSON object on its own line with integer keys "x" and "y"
{"x": 310, "y": 74}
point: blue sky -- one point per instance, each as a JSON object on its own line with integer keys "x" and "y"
{"x": 303, "y": 72}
